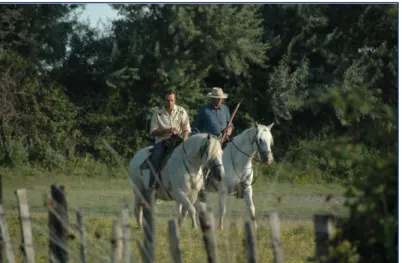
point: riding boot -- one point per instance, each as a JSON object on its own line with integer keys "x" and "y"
{"x": 156, "y": 160}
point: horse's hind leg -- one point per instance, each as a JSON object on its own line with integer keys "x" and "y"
{"x": 223, "y": 193}
{"x": 138, "y": 211}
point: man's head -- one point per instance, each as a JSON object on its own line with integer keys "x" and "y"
{"x": 169, "y": 97}
{"x": 217, "y": 96}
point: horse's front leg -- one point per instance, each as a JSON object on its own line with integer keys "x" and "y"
{"x": 183, "y": 200}
{"x": 223, "y": 193}
{"x": 248, "y": 199}
{"x": 181, "y": 212}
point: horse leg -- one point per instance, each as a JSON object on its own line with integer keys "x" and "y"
{"x": 138, "y": 211}
{"x": 223, "y": 192}
{"x": 196, "y": 203}
{"x": 185, "y": 202}
{"x": 248, "y": 199}
{"x": 180, "y": 211}
{"x": 183, "y": 214}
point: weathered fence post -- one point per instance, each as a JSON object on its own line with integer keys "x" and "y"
{"x": 207, "y": 222}
{"x": 117, "y": 242}
{"x": 58, "y": 229}
{"x": 174, "y": 242}
{"x": 81, "y": 229}
{"x": 323, "y": 230}
{"x": 1, "y": 203}
{"x": 274, "y": 224}
{"x": 142, "y": 251}
{"x": 26, "y": 230}
{"x": 250, "y": 242}
{"x": 148, "y": 227}
{"x": 125, "y": 216}
{"x": 6, "y": 236}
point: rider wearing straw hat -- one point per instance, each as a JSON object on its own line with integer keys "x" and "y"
{"x": 213, "y": 118}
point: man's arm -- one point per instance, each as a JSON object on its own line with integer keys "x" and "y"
{"x": 155, "y": 131}
{"x": 185, "y": 125}
{"x": 229, "y": 129}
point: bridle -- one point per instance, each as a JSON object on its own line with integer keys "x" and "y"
{"x": 252, "y": 141}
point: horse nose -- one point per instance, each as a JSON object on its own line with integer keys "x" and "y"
{"x": 265, "y": 157}
{"x": 218, "y": 172}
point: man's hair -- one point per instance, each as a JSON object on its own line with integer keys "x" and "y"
{"x": 169, "y": 92}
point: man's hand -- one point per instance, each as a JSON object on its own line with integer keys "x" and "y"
{"x": 174, "y": 130}
{"x": 185, "y": 135}
{"x": 229, "y": 131}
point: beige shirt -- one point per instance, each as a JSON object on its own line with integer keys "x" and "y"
{"x": 177, "y": 119}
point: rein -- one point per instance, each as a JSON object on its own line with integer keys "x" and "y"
{"x": 250, "y": 157}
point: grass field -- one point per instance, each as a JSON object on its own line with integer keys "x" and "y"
{"x": 103, "y": 198}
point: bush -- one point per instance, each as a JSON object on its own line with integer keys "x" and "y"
{"x": 372, "y": 226}
{"x": 14, "y": 152}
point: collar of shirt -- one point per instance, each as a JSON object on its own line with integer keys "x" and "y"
{"x": 212, "y": 107}
{"x": 164, "y": 111}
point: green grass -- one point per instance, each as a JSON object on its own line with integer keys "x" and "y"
{"x": 297, "y": 238}
{"x": 103, "y": 198}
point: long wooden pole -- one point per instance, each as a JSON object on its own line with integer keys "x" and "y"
{"x": 231, "y": 120}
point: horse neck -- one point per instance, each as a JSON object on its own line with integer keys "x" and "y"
{"x": 191, "y": 150}
{"x": 243, "y": 143}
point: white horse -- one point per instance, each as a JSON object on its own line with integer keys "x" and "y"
{"x": 181, "y": 175}
{"x": 237, "y": 161}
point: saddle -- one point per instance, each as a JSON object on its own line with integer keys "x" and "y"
{"x": 169, "y": 145}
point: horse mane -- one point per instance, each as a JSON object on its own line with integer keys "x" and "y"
{"x": 196, "y": 141}
{"x": 248, "y": 130}
{"x": 214, "y": 149}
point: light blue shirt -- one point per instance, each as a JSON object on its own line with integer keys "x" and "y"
{"x": 211, "y": 120}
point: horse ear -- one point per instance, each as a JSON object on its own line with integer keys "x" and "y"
{"x": 209, "y": 137}
{"x": 270, "y": 126}
{"x": 256, "y": 124}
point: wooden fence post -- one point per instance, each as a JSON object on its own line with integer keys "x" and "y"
{"x": 207, "y": 222}
{"x": 148, "y": 227}
{"x": 323, "y": 230}
{"x": 117, "y": 242}
{"x": 81, "y": 229}
{"x": 58, "y": 249}
{"x": 274, "y": 224}
{"x": 125, "y": 216}
{"x": 6, "y": 236}
{"x": 250, "y": 242}
{"x": 174, "y": 242}
{"x": 1, "y": 203}
{"x": 25, "y": 221}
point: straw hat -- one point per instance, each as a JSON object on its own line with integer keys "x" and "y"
{"x": 217, "y": 93}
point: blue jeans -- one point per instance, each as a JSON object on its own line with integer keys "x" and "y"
{"x": 158, "y": 151}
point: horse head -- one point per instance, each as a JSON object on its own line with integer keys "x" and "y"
{"x": 263, "y": 141}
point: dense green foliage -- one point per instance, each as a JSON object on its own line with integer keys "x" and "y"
{"x": 326, "y": 74}
{"x": 280, "y": 59}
